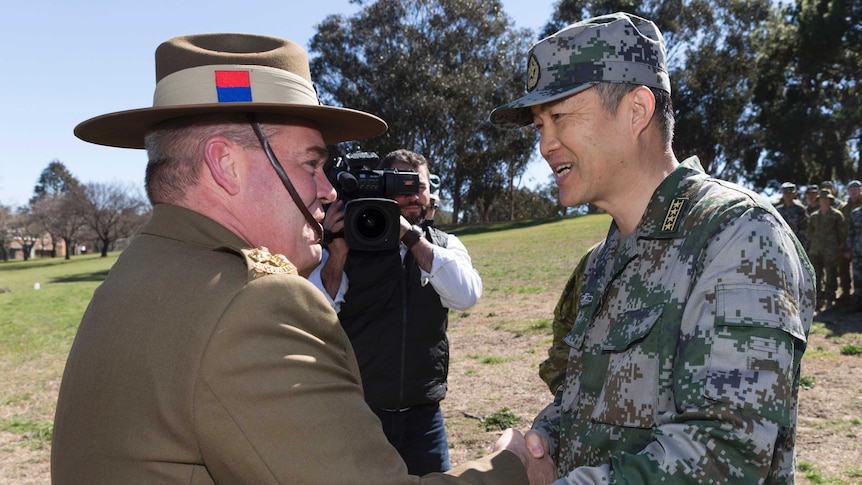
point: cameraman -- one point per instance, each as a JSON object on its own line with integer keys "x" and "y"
{"x": 393, "y": 304}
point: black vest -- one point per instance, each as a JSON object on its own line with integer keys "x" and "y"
{"x": 397, "y": 328}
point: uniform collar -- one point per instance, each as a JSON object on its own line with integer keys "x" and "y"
{"x": 671, "y": 202}
{"x": 186, "y": 225}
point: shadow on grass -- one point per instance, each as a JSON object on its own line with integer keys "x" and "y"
{"x": 77, "y": 278}
{"x": 499, "y": 226}
{"x": 840, "y": 320}
{"x": 43, "y": 262}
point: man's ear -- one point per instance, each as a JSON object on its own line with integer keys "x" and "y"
{"x": 220, "y": 156}
{"x": 643, "y": 107}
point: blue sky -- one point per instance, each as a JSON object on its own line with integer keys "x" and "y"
{"x": 65, "y": 61}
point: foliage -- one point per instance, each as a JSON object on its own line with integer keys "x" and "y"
{"x": 64, "y": 209}
{"x": 500, "y": 420}
{"x": 36, "y": 433}
{"x": 61, "y": 215}
{"x": 433, "y": 71}
{"x": 6, "y": 235}
{"x": 807, "y": 382}
{"x": 807, "y": 91}
{"x": 54, "y": 180}
{"x": 851, "y": 349}
{"x": 112, "y": 211}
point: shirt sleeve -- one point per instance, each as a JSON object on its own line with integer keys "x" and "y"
{"x": 453, "y": 276}
{"x": 317, "y": 281}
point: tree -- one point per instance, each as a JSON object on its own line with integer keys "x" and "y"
{"x": 710, "y": 59}
{"x": 808, "y": 91}
{"x": 112, "y": 211}
{"x": 55, "y": 179}
{"x": 433, "y": 71}
{"x": 60, "y": 215}
{"x": 5, "y": 231}
{"x": 22, "y": 227}
{"x": 54, "y": 182}
{"x": 713, "y": 91}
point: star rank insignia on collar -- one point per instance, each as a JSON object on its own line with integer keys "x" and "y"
{"x": 262, "y": 262}
{"x": 671, "y": 218}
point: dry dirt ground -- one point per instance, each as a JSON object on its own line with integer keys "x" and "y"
{"x": 496, "y": 348}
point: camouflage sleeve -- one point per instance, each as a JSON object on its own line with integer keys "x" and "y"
{"x": 842, "y": 234}
{"x": 553, "y": 369}
{"x": 803, "y": 228}
{"x": 725, "y": 410}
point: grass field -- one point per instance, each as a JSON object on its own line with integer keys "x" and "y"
{"x": 523, "y": 266}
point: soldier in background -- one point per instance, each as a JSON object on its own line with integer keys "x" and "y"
{"x": 793, "y": 211}
{"x": 854, "y": 251}
{"x": 854, "y": 200}
{"x": 826, "y": 238}
{"x": 827, "y": 184}
{"x": 811, "y": 204}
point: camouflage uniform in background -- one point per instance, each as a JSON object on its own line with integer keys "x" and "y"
{"x": 685, "y": 354}
{"x": 845, "y": 266}
{"x": 826, "y": 238}
{"x": 796, "y": 217}
{"x": 854, "y": 246}
{"x": 811, "y": 204}
{"x": 553, "y": 369}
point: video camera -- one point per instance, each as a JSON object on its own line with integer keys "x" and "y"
{"x": 371, "y": 216}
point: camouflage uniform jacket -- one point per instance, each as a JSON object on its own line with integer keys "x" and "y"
{"x": 685, "y": 353}
{"x": 847, "y": 207}
{"x": 854, "y": 235}
{"x": 796, "y": 217}
{"x": 553, "y": 369}
{"x": 827, "y": 234}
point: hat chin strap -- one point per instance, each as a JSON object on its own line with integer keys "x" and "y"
{"x": 279, "y": 170}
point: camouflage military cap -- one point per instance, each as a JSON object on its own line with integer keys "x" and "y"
{"x": 615, "y": 48}
{"x": 788, "y": 187}
{"x": 854, "y": 183}
{"x": 825, "y": 193}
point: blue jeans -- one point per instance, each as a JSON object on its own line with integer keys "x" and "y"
{"x": 419, "y": 436}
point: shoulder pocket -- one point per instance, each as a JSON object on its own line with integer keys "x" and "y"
{"x": 752, "y": 360}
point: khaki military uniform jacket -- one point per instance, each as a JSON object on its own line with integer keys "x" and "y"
{"x": 200, "y": 363}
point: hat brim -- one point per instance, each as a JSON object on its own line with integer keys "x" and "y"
{"x": 517, "y": 113}
{"x": 126, "y": 129}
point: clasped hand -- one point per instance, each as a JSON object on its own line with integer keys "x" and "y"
{"x": 533, "y": 451}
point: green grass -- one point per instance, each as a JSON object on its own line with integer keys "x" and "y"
{"x": 500, "y": 420}
{"x": 851, "y": 349}
{"x": 39, "y": 322}
{"x": 37, "y": 328}
{"x": 520, "y": 258}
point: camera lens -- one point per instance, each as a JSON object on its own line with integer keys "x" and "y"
{"x": 371, "y": 223}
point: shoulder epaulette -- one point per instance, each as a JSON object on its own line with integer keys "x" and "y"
{"x": 261, "y": 262}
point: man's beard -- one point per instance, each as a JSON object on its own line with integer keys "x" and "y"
{"x": 416, "y": 218}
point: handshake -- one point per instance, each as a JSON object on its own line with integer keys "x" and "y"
{"x": 533, "y": 451}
